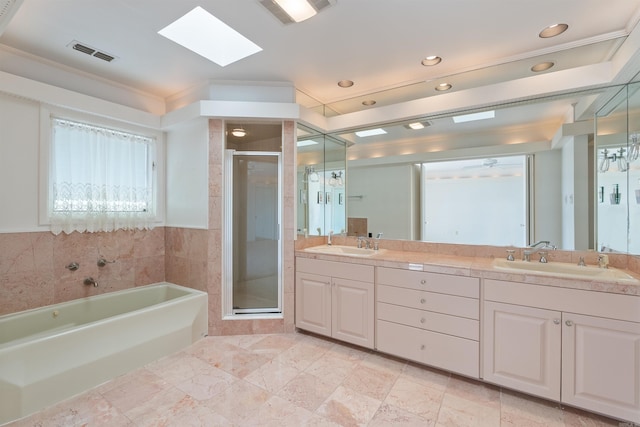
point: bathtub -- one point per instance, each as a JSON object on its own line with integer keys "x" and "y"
{"x": 51, "y": 353}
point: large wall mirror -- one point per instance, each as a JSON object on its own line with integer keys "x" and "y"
{"x": 528, "y": 165}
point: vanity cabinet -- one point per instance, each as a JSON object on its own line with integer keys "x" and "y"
{"x": 429, "y": 318}
{"x": 579, "y": 347}
{"x": 336, "y": 299}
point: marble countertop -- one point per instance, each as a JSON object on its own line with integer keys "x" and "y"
{"x": 481, "y": 267}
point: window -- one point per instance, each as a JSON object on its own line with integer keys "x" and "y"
{"x": 479, "y": 201}
{"x": 100, "y": 179}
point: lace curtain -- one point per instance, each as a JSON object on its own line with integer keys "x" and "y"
{"x": 101, "y": 179}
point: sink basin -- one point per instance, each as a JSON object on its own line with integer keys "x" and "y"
{"x": 344, "y": 250}
{"x": 562, "y": 269}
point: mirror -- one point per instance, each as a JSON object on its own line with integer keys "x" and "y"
{"x": 321, "y": 183}
{"x": 561, "y": 177}
{"x": 618, "y": 172}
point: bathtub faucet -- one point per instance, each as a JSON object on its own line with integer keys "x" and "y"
{"x": 91, "y": 281}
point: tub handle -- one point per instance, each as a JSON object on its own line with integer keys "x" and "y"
{"x": 91, "y": 281}
{"x": 72, "y": 266}
{"x": 103, "y": 261}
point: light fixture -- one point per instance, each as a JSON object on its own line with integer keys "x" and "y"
{"x": 431, "y": 60}
{"x": 553, "y": 30}
{"x": 306, "y": 143}
{"x": 443, "y": 86}
{"x": 198, "y": 30}
{"x": 345, "y": 83}
{"x": 474, "y": 116}
{"x": 370, "y": 132}
{"x": 292, "y": 11}
{"x": 312, "y": 175}
{"x": 542, "y": 66}
{"x": 417, "y": 125}
{"x": 336, "y": 179}
{"x": 239, "y": 132}
{"x": 369, "y": 102}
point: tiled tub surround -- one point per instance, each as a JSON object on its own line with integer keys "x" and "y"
{"x": 570, "y": 325}
{"x": 33, "y": 273}
{"x": 54, "y": 352}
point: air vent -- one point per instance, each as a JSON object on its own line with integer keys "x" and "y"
{"x": 8, "y": 8}
{"x": 81, "y": 47}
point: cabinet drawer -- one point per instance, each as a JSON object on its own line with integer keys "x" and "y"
{"x": 439, "y": 303}
{"x": 431, "y": 348}
{"x": 433, "y": 282}
{"x": 344, "y": 270}
{"x": 601, "y": 304}
{"x": 443, "y": 323}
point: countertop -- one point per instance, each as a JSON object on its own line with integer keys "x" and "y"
{"x": 481, "y": 267}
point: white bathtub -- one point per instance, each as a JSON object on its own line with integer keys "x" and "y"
{"x": 51, "y": 353}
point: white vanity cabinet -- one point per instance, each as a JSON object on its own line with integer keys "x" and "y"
{"x": 336, "y": 299}
{"x": 429, "y": 318}
{"x": 579, "y": 347}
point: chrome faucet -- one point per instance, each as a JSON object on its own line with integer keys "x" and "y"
{"x": 363, "y": 240}
{"x": 603, "y": 261}
{"x": 91, "y": 281}
{"x": 526, "y": 254}
{"x": 376, "y": 242}
{"x": 329, "y": 238}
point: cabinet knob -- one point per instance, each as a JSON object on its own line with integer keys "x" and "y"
{"x": 422, "y": 301}
{"x": 556, "y": 321}
{"x": 568, "y": 323}
{"x": 423, "y": 320}
{"x": 422, "y": 347}
{"x": 423, "y": 281}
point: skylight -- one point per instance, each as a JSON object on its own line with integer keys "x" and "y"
{"x": 475, "y": 116}
{"x": 306, "y": 142}
{"x": 370, "y": 132}
{"x": 206, "y": 35}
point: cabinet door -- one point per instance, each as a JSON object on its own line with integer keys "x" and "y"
{"x": 601, "y": 365}
{"x": 353, "y": 311}
{"x": 313, "y": 303}
{"x": 521, "y": 348}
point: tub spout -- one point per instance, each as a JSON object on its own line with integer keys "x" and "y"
{"x": 91, "y": 281}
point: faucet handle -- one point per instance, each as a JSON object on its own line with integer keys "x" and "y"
{"x": 510, "y": 253}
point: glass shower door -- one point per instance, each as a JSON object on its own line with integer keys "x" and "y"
{"x": 255, "y": 231}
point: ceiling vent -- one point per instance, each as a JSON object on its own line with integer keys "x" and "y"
{"x": 279, "y": 13}
{"x": 8, "y": 8}
{"x": 81, "y": 47}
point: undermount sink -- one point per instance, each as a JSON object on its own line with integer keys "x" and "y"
{"x": 562, "y": 269}
{"x": 344, "y": 250}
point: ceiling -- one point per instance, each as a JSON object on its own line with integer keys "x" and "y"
{"x": 377, "y": 44}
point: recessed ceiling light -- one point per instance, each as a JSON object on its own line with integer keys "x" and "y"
{"x": 370, "y": 132}
{"x": 239, "y": 132}
{"x": 443, "y": 86}
{"x": 553, "y": 30}
{"x": 369, "y": 102}
{"x": 543, "y": 66}
{"x": 345, "y": 83}
{"x": 306, "y": 143}
{"x": 198, "y": 31}
{"x": 417, "y": 125}
{"x": 431, "y": 60}
{"x": 474, "y": 116}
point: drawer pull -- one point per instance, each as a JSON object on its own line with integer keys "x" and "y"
{"x": 568, "y": 323}
{"x": 556, "y": 321}
{"x": 422, "y": 301}
{"x": 423, "y": 320}
{"x": 423, "y": 281}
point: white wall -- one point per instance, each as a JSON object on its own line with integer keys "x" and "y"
{"x": 575, "y": 194}
{"x": 19, "y": 148}
{"x": 187, "y": 179}
{"x": 389, "y": 199}
{"x": 547, "y": 221}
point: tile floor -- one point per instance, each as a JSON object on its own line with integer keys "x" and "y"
{"x": 299, "y": 380}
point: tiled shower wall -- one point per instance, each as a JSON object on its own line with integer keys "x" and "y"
{"x": 33, "y": 273}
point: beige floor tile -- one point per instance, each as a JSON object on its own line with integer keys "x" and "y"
{"x": 135, "y": 389}
{"x": 331, "y": 368}
{"x": 521, "y": 410}
{"x": 273, "y": 375}
{"x": 207, "y": 384}
{"x": 475, "y": 391}
{"x": 278, "y": 412}
{"x": 459, "y": 412}
{"x": 389, "y": 415}
{"x": 415, "y": 398}
{"x": 307, "y": 391}
{"x": 176, "y": 368}
{"x": 302, "y": 354}
{"x": 374, "y": 382}
{"x": 349, "y": 408}
{"x": 239, "y": 402}
{"x": 426, "y": 376}
{"x": 241, "y": 363}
